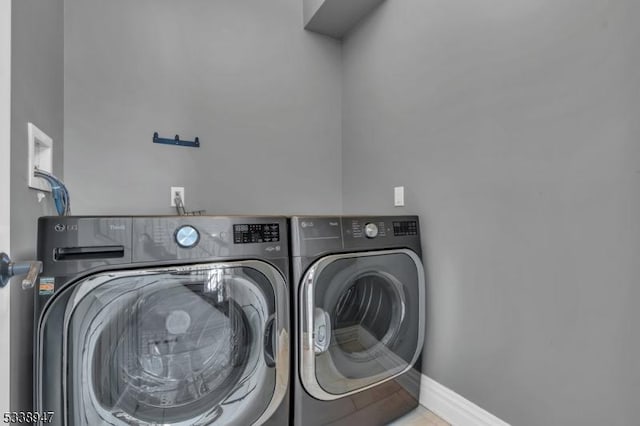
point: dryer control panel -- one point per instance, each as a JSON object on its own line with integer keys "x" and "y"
{"x": 380, "y": 227}
{"x": 314, "y": 235}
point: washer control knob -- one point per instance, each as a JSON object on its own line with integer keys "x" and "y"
{"x": 187, "y": 236}
{"x": 371, "y": 230}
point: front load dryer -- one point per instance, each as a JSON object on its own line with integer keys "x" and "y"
{"x": 359, "y": 298}
{"x": 162, "y": 320}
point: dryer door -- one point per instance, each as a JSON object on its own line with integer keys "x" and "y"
{"x": 362, "y": 321}
{"x": 196, "y": 345}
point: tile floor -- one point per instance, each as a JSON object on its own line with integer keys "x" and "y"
{"x": 420, "y": 417}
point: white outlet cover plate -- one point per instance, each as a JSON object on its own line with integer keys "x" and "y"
{"x": 40, "y": 154}
{"x": 175, "y": 189}
{"x": 398, "y": 196}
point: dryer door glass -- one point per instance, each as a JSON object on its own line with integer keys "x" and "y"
{"x": 363, "y": 321}
{"x": 195, "y": 345}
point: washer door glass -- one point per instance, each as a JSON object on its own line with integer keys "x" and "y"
{"x": 197, "y": 345}
{"x": 363, "y": 321}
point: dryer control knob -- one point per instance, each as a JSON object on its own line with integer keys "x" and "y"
{"x": 371, "y": 230}
{"x": 187, "y": 236}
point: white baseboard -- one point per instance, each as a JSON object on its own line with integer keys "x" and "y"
{"x": 454, "y": 408}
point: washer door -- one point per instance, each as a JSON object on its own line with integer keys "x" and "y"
{"x": 362, "y": 321}
{"x": 196, "y": 345}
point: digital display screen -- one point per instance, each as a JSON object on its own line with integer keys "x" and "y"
{"x": 404, "y": 228}
{"x": 256, "y": 233}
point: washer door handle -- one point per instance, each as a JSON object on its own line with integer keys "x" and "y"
{"x": 270, "y": 342}
{"x": 321, "y": 331}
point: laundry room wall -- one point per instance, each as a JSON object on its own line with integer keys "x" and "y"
{"x": 5, "y": 209}
{"x": 36, "y": 96}
{"x": 263, "y": 96}
{"x": 514, "y": 128}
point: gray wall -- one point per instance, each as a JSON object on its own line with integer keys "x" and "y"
{"x": 262, "y": 94}
{"x": 514, "y": 127}
{"x": 36, "y": 96}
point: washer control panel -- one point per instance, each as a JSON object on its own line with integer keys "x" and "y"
{"x": 256, "y": 233}
{"x": 187, "y": 236}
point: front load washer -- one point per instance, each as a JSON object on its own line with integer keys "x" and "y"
{"x": 162, "y": 320}
{"x": 359, "y": 298}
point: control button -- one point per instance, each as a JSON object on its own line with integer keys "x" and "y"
{"x": 187, "y": 236}
{"x": 371, "y": 230}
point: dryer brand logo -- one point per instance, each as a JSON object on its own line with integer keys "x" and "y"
{"x": 59, "y": 227}
{"x": 306, "y": 224}
{"x": 117, "y": 227}
{"x": 333, "y": 224}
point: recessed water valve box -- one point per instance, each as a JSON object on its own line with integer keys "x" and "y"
{"x": 40, "y": 156}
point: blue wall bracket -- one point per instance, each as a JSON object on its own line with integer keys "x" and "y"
{"x": 176, "y": 141}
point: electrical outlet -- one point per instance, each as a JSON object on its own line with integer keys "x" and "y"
{"x": 174, "y": 191}
{"x": 398, "y": 196}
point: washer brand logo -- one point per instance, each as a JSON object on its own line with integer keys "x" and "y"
{"x": 333, "y": 223}
{"x": 271, "y": 248}
{"x": 59, "y": 227}
{"x": 306, "y": 224}
{"x": 117, "y": 227}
